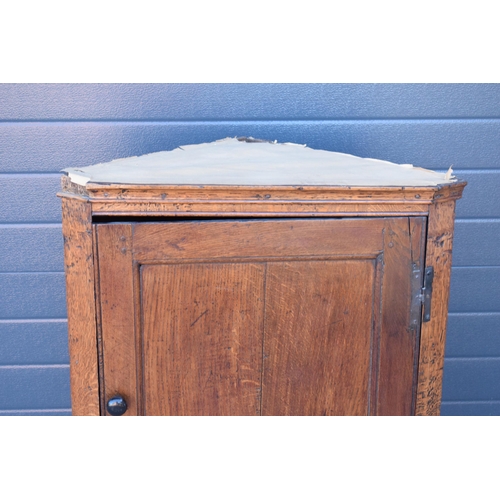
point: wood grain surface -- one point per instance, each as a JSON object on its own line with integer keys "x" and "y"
{"x": 118, "y": 314}
{"x": 202, "y": 335}
{"x": 318, "y": 332}
{"x": 398, "y": 342}
{"x": 272, "y": 317}
{"x": 260, "y": 201}
{"x": 257, "y": 238}
{"x": 166, "y": 193}
{"x": 257, "y": 209}
{"x": 195, "y": 258}
{"x": 80, "y": 298}
{"x": 433, "y": 333}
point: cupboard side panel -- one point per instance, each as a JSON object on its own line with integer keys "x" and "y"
{"x": 80, "y": 297}
{"x": 117, "y": 313}
{"x": 202, "y": 338}
{"x": 433, "y": 334}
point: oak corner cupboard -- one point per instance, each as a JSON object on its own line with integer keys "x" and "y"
{"x": 249, "y": 277}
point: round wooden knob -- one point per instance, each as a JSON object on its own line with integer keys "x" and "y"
{"x": 116, "y": 406}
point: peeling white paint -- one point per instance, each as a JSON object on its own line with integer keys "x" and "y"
{"x": 234, "y": 162}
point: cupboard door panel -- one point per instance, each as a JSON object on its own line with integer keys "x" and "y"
{"x": 202, "y": 338}
{"x": 318, "y": 338}
{"x": 273, "y": 317}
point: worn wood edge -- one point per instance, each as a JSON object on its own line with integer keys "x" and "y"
{"x": 374, "y": 379}
{"x": 256, "y": 193}
{"x": 447, "y": 192}
{"x": 72, "y": 196}
{"x": 397, "y": 341}
{"x": 304, "y": 201}
{"x": 261, "y": 210}
{"x": 263, "y": 215}
{"x": 100, "y": 352}
{"x": 70, "y": 187}
{"x": 340, "y": 201}
{"x": 253, "y": 191}
{"x": 80, "y": 299}
{"x": 418, "y": 240}
{"x": 255, "y": 203}
{"x": 433, "y": 333}
{"x": 157, "y": 192}
{"x": 138, "y": 332}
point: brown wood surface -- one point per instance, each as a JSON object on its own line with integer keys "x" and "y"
{"x": 398, "y": 341}
{"x": 326, "y": 360}
{"x": 318, "y": 333}
{"x": 257, "y": 238}
{"x": 387, "y": 377}
{"x": 202, "y": 336}
{"x": 433, "y": 332}
{"x": 178, "y": 193}
{"x": 282, "y": 201}
{"x": 116, "y": 276}
{"x": 260, "y": 201}
{"x": 418, "y": 239}
{"x": 257, "y": 209}
{"x": 80, "y": 297}
{"x": 100, "y": 354}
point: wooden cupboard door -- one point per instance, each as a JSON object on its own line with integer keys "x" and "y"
{"x": 261, "y": 317}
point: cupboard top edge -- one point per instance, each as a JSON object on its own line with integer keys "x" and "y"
{"x": 293, "y": 193}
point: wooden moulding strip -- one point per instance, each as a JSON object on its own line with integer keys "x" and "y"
{"x": 80, "y": 297}
{"x": 277, "y": 209}
{"x": 433, "y": 332}
{"x": 259, "y": 193}
{"x": 208, "y": 215}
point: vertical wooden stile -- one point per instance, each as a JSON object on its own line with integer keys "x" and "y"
{"x": 118, "y": 313}
{"x": 433, "y": 332}
{"x": 398, "y": 347}
{"x": 80, "y": 298}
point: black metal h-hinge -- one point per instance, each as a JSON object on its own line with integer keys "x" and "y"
{"x": 427, "y": 292}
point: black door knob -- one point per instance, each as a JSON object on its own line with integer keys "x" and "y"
{"x": 116, "y": 406}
